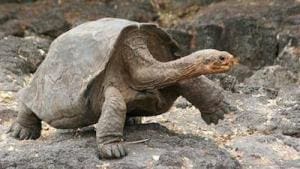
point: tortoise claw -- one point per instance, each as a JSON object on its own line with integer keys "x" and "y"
{"x": 213, "y": 117}
{"x": 112, "y": 151}
{"x": 23, "y": 133}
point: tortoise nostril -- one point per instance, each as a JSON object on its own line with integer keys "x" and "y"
{"x": 222, "y": 58}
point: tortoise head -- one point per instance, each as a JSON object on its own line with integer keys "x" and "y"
{"x": 214, "y": 61}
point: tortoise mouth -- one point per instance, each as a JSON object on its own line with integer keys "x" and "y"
{"x": 224, "y": 65}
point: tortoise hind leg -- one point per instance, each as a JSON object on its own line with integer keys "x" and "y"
{"x": 27, "y": 126}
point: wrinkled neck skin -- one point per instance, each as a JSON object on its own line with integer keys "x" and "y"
{"x": 148, "y": 73}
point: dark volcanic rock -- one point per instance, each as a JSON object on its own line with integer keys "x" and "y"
{"x": 79, "y": 151}
{"x": 52, "y": 23}
{"x": 18, "y": 57}
{"x": 137, "y": 10}
{"x": 290, "y": 121}
{"x": 289, "y": 98}
{"x": 265, "y": 152}
{"x": 241, "y": 72}
{"x": 181, "y": 5}
{"x": 253, "y": 43}
{"x": 289, "y": 95}
{"x": 16, "y": 1}
{"x": 272, "y": 77}
{"x": 182, "y": 38}
{"x": 208, "y": 36}
{"x": 13, "y": 27}
{"x": 290, "y": 58}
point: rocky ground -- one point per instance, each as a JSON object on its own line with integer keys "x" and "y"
{"x": 262, "y": 131}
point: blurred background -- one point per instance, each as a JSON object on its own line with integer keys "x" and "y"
{"x": 263, "y": 130}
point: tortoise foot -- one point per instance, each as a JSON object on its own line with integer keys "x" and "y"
{"x": 24, "y": 133}
{"x": 214, "y": 117}
{"x": 112, "y": 151}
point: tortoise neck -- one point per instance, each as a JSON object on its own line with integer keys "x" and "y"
{"x": 148, "y": 73}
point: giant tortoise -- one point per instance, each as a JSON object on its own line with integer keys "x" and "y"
{"x": 104, "y": 71}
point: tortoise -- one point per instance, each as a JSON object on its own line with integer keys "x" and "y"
{"x": 106, "y": 71}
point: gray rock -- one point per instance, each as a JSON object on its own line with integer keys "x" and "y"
{"x": 141, "y": 11}
{"x": 265, "y": 152}
{"x": 181, "y": 5}
{"x": 182, "y": 38}
{"x": 260, "y": 113}
{"x": 241, "y": 72}
{"x": 227, "y": 82}
{"x": 272, "y": 77}
{"x": 254, "y": 43}
{"x": 289, "y": 58}
{"x": 77, "y": 150}
{"x": 182, "y": 103}
{"x": 208, "y": 36}
{"x": 289, "y": 95}
{"x": 19, "y": 57}
{"x": 7, "y": 113}
{"x": 290, "y": 121}
{"x": 13, "y": 27}
{"x": 16, "y": 1}
{"x": 51, "y": 23}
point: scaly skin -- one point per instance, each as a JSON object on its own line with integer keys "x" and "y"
{"x": 148, "y": 74}
{"x": 205, "y": 96}
{"x": 27, "y": 125}
{"x": 109, "y": 129}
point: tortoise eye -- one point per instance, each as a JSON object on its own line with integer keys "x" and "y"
{"x": 222, "y": 58}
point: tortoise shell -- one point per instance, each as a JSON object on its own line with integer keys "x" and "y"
{"x": 74, "y": 60}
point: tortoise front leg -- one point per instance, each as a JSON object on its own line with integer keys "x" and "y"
{"x": 205, "y": 96}
{"x": 109, "y": 129}
{"x": 27, "y": 125}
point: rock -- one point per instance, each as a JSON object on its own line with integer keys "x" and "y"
{"x": 257, "y": 112}
{"x": 250, "y": 30}
{"x": 6, "y": 113}
{"x": 66, "y": 150}
{"x": 2, "y": 35}
{"x": 271, "y": 77}
{"x": 16, "y": 1}
{"x": 51, "y": 23}
{"x": 227, "y": 82}
{"x": 241, "y": 72}
{"x": 259, "y": 151}
{"x": 289, "y": 95}
{"x": 188, "y": 158}
{"x": 13, "y": 27}
{"x": 181, "y": 5}
{"x": 287, "y": 38}
{"x": 19, "y": 57}
{"x": 4, "y": 17}
{"x": 141, "y": 10}
{"x": 289, "y": 58}
{"x": 289, "y": 122}
{"x": 171, "y": 12}
{"x": 289, "y": 141}
{"x": 289, "y": 119}
{"x": 182, "y": 103}
{"x": 183, "y": 39}
{"x": 259, "y": 42}
{"x": 270, "y": 93}
{"x": 208, "y": 36}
